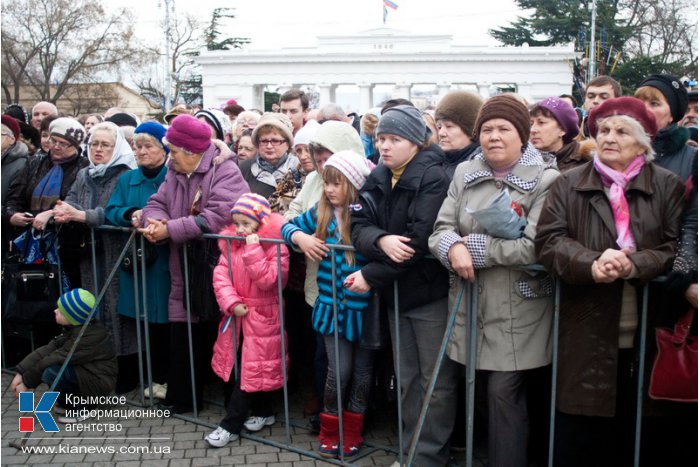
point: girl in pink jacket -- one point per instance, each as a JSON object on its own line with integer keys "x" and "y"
{"x": 247, "y": 292}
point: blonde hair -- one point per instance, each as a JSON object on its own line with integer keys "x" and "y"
{"x": 649, "y": 93}
{"x": 637, "y": 132}
{"x": 326, "y": 211}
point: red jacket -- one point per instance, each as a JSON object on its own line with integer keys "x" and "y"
{"x": 254, "y": 272}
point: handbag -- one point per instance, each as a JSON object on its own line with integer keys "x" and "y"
{"x": 30, "y": 281}
{"x": 674, "y": 376}
{"x": 375, "y": 328}
{"x": 202, "y": 256}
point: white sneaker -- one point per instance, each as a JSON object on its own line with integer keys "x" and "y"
{"x": 220, "y": 437}
{"x": 258, "y": 423}
{"x": 160, "y": 391}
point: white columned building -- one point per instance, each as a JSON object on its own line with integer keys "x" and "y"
{"x": 384, "y": 56}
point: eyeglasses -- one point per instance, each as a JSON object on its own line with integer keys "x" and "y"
{"x": 274, "y": 142}
{"x": 250, "y": 123}
{"x": 59, "y": 144}
{"x": 101, "y": 145}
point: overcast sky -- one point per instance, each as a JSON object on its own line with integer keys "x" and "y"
{"x": 275, "y": 23}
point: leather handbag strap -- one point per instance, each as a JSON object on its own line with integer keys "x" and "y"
{"x": 682, "y": 327}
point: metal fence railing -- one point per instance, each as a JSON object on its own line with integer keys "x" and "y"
{"x": 134, "y": 246}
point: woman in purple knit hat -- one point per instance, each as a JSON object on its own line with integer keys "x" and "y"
{"x": 195, "y": 199}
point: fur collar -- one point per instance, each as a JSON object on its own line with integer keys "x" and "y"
{"x": 670, "y": 140}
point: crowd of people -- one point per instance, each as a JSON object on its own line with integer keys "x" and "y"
{"x": 604, "y": 196}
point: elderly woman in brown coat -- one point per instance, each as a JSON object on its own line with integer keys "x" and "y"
{"x": 606, "y": 228}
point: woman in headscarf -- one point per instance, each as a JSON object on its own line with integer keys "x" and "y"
{"x": 109, "y": 157}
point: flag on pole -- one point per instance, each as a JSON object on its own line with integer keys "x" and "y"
{"x": 390, "y": 4}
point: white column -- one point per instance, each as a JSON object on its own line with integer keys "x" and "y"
{"x": 484, "y": 89}
{"x": 282, "y": 88}
{"x": 366, "y": 97}
{"x": 442, "y": 89}
{"x": 326, "y": 93}
{"x": 258, "y": 97}
{"x": 403, "y": 90}
{"x": 524, "y": 90}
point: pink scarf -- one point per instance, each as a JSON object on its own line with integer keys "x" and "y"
{"x": 617, "y": 183}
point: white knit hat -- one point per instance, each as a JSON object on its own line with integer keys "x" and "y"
{"x": 355, "y": 167}
{"x": 307, "y": 132}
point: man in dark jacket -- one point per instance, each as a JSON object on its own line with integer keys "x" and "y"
{"x": 92, "y": 369}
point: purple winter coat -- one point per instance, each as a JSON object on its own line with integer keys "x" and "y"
{"x": 220, "y": 186}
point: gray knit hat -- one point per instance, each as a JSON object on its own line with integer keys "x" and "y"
{"x": 404, "y": 121}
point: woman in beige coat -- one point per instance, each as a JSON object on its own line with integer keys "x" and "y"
{"x": 515, "y": 306}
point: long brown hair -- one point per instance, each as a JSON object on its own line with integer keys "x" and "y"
{"x": 325, "y": 211}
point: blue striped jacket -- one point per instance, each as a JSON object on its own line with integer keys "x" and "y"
{"x": 350, "y": 305}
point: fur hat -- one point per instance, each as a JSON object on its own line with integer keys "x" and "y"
{"x": 154, "y": 129}
{"x": 404, "y": 121}
{"x": 307, "y": 132}
{"x": 338, "y": 136}
{"x": 355, "y": 167}
{"x": 461, "y": 108}
{"x": 218, "y": 120}
{"x": 508, "y": 108}
{"x": 277, "y": 120}
{"x": 188, "y": 133}
{"x": 563, "y": 113}
{"x": 69, "y": 129}
{"x": 11, "y": 125}
{"x": 673, "y": 90}
{"x": 253, "y": 206}
{"x": 76, "y": 305}
{"x": 630, "y": 106}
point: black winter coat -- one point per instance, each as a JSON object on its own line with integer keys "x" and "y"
{"x": 409, "y": 209}
{"x": 94, "y": 361}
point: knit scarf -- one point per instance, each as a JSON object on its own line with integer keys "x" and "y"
{"x": 617, "y": 182}
{"x": 48, "y": 190}
{"x": 268, "y": 167}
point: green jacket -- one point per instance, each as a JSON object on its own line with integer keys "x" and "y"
{"x": 94, "y": 361}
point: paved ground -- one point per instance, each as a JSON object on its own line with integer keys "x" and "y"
{"x": 175, "y": 442}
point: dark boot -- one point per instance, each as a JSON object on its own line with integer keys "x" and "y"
{"x": 328, "y": 436}
{"x": 352, "y": 432}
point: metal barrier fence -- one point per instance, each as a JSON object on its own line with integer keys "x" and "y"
{"x": 135, "y": 245}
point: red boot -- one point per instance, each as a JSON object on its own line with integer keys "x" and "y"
{"x": 328, "y": 436}
{"x": 352, "y": 432}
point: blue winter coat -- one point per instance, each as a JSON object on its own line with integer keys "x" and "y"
{"x": 132, "y": 192}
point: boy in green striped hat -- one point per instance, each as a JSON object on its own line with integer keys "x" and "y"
{"x": 92, "y": 370}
